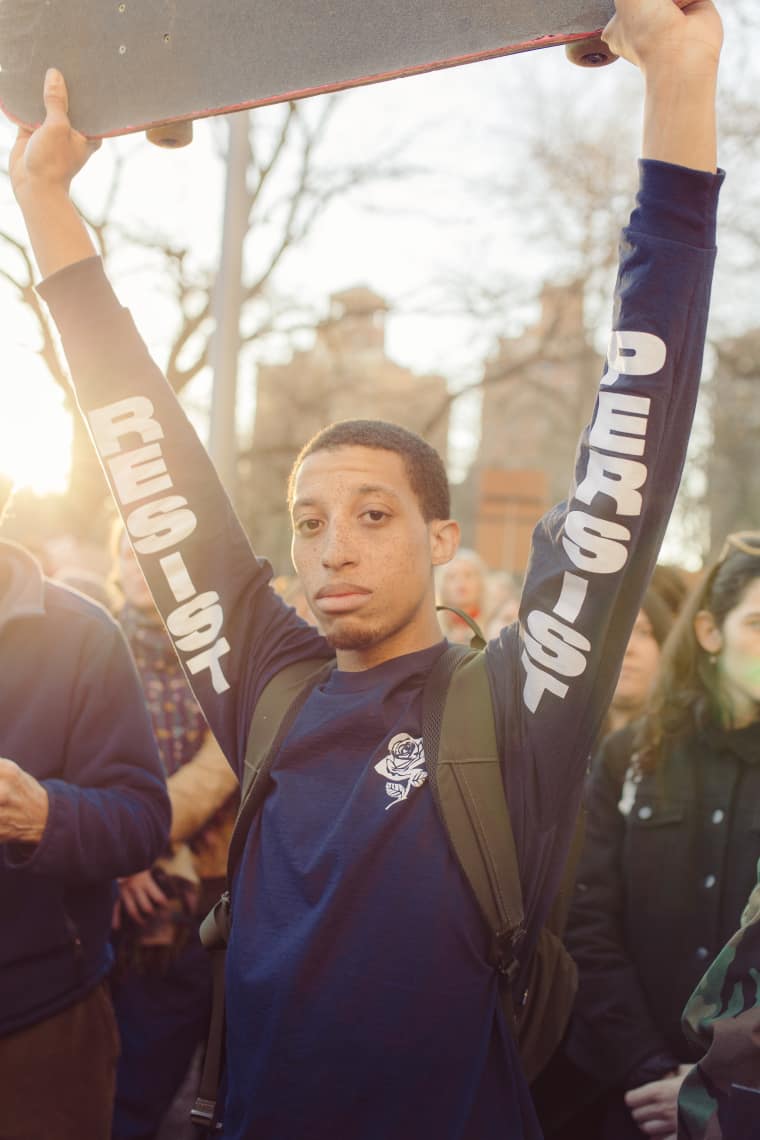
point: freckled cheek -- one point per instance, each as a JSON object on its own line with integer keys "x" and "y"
{"x": 305, "y": 560}
{"x": 409, "y": 566}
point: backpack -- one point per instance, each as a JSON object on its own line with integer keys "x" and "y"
{"x": 465, "y": 774}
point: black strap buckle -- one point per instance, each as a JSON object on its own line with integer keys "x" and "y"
{"x": 506, "y": 957}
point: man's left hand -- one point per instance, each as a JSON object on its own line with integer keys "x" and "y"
{"x": 654, "y": 1106}
{"x": 24, "y": 805}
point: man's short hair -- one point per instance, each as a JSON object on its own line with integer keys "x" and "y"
{"x": 424, "y": 466}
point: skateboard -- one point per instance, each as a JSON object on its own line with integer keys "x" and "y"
{"x": 156, "y": 65}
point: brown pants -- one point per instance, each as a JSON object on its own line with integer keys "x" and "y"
{"x": 57, "y": 1077}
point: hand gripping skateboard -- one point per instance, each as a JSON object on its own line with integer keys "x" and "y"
{"x": 143, "y": 64}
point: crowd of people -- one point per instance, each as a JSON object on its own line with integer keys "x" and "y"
{"x": 364, "y": 994}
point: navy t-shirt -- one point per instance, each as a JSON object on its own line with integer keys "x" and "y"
{"x": 360, "y": 1001}
{"x": 357, "y": 940}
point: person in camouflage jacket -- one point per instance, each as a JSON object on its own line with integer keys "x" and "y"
{"x": 723, "y": 1017}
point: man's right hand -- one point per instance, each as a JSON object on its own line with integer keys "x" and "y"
{"x": 48, "y": 157}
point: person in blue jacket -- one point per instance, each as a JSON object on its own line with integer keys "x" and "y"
{"x": 82, "y": 802}
{"x": 362, "y": 1002}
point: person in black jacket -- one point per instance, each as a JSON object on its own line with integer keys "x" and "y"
{"x": 82, "y": 802}
{"x": 672, "y": 841}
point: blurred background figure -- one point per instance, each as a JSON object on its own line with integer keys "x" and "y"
{"x": 87, "y": 582}
{"x": 640, "y": 664}
{"x": 289, "y": 587}
{"x": 462, "y": 583}
{"x": 723, "y": 1017}
{"x": 502, "y": 602}
{"x": 673, "y": 585}
{"x": 162, "y": 983}
{"x": 82, "y": 801}
{"x": 672, "y": 841}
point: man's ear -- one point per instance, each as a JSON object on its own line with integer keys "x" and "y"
{"x": 707, "y": 633}
{"x": 445, "y": 536}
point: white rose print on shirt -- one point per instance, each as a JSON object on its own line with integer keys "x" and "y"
{"x": 403, "y": 767}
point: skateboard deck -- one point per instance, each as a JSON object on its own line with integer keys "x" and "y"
{"x": 132, "y": 64}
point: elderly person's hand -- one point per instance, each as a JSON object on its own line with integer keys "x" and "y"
{"x": 24, "y": 805}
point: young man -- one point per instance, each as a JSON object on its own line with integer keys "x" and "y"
{"x": 361, "y": 1002}
{"x": 82, "y": 802}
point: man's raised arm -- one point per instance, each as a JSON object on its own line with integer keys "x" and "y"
{"x": 593, "y": 554}
{"x": 230, "y": 631}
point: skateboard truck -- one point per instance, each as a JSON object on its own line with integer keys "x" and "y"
{"x": 171, "y": 135}
{"x": 589, "y": 53}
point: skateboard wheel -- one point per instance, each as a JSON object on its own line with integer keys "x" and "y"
{"x": 172, "y": 135}
{"x": 589, "y": 53}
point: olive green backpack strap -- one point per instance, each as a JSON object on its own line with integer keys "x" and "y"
{"x": 467, "y": 782}
{"x": 276, "y": 710}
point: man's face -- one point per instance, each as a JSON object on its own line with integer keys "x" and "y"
{"x": 365, "y": 554}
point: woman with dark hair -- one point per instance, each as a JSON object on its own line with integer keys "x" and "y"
{"x": 673, "y": 837}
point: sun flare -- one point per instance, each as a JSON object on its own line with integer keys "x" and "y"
{"x": 35, "y": 430}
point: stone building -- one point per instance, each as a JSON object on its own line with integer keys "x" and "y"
{"x": 539, "y": 391}
{"x": 732, "y": 469}
{"x": 345, "y": 374}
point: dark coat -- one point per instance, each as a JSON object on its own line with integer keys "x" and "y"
{"x": 72, "y": 714}
{"x": 667, "y": 868}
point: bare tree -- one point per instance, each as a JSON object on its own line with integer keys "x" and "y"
{"x": 290, "y": 185}
{"x": 566, "y": 195}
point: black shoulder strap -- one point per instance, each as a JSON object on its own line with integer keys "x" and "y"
{"x": 467, "y": 782}
{"x": 477, "y": 641}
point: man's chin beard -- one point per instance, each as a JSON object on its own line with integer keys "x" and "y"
{"x": 353, "y": 634}
{"x": 352, "y": 638}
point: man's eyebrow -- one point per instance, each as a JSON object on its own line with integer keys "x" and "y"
{"x": 374, "y": 488}
{"x": 361, "y": 490}
{"x": 298, "y": 503}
